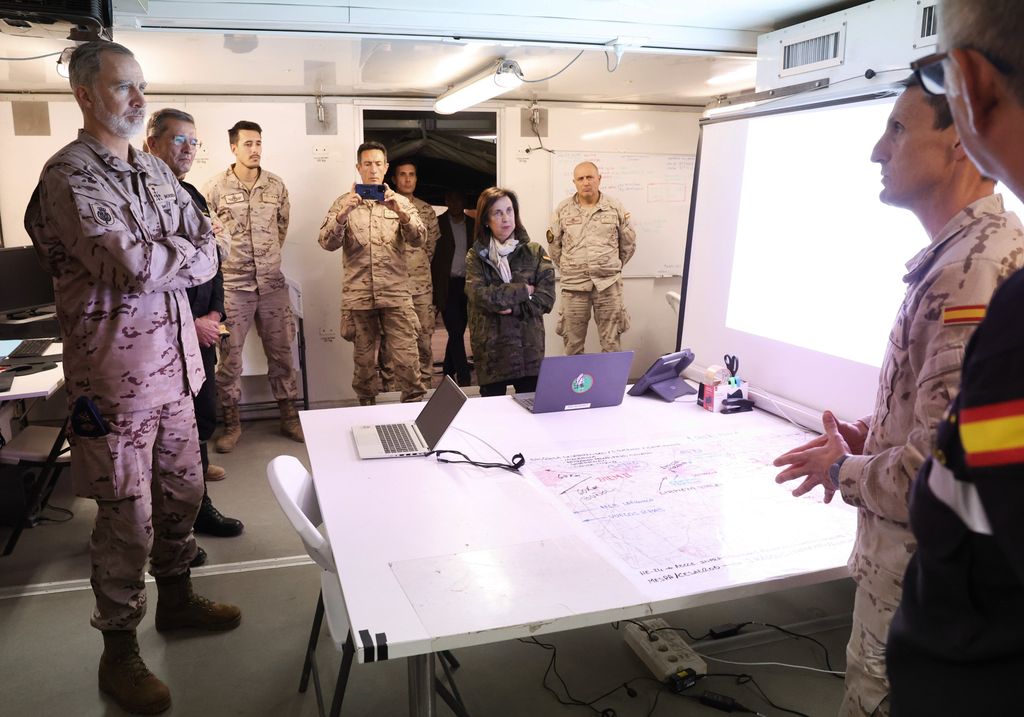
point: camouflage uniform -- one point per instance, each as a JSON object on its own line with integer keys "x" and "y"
{"x": 254, "y": 288}
{"x": 375, "y": 290}
{"x": 123, "y": 241}
{"x": 417, "y": 262}
{"x": 949, "y": 284}
{"x": 590, "y": 245}
{"x": 508, "y": 346}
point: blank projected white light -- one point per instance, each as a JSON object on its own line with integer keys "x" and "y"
{"x": 819, "y": 259}
{"x": 486, "y": 85}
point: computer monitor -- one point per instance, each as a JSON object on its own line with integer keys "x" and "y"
{"x": 24, "y": 284}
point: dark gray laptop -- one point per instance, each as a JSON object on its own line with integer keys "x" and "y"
{"x": 571, "y": 383}
{"x": 412, "y": 438}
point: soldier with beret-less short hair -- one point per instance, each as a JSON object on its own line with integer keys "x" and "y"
{"x": 417, "y": 263}
{"x": 373, "y": 236}
{"x": 590, "y": 240}
{"x": 253, "y": 205}
{"x": 124, "y": 241}
{"x": 974, "y": 245}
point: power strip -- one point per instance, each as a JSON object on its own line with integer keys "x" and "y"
{"x": 664, "y": 652}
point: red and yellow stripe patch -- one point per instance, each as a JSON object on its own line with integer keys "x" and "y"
{"x": 963, "y": 314}
{"x": 993, "y": 435}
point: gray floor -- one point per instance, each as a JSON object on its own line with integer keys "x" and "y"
{"x": 48, "y": 652}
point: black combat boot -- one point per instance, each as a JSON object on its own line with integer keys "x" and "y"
{"x": 209, "y": 521}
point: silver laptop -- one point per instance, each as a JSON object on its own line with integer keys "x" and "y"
{"x": 412, "y": 438}
{"x": 570, "y": 383}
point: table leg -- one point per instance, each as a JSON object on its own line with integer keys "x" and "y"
{"x": 422, "y": 700}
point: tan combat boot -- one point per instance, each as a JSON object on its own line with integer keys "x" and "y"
{"x": 225, "y": 443}
{"x": 125, "y": 677}
{"x": 177, "y": 606}
{"x": 290, "y": 425}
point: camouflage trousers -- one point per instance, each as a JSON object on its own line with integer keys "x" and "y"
{"x": 275, "y": 325}
{"x": 867, "y": 684}
{"x": 364, "y": 328}
{"x": 146, "y": 479}
{"x": 609, "y": 314}
{"x": 426, "y": 314}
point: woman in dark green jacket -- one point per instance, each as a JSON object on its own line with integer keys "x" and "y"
{"x": 510, "y": 282}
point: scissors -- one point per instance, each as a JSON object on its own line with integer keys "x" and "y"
{"x": 733, "y": 364}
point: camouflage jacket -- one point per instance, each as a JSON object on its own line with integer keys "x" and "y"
{"x": 508, "y": 346}
{"x": 374, "y": 252}
{"x": 590, "y": 248}
{"x": 255, "y": 223}
{"x": 418, "y": 258}
{"x": 949, "y": 284}
{"x": 123, "y": 241}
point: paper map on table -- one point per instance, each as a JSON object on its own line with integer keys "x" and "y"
{"x": 706, "y": 504}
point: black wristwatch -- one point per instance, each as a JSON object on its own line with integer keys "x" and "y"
{"x": 833, "y": 470}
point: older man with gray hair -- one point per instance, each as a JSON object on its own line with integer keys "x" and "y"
{"x": 171, "y": 136}
{"x": 124, "y": 241}
{"x": 956, "y": 646}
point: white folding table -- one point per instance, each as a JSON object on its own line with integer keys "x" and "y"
{"x": 435, "y": 556}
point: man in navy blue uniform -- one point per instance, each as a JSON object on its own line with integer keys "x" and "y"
{"x": 956, "y": 646}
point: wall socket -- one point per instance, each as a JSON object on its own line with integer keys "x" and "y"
{"x": 665, "y": 653}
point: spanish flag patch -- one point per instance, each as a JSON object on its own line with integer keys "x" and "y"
{"x": 963, "y": 314}
{"x": 993, "y": 435}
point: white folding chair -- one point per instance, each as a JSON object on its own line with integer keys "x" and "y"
{"x": 292, "y": 485}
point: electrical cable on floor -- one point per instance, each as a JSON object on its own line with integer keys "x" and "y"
{"x": 648, "y": 631}
{"x": 743, "y": 679}
{"x": 828, "y": 661}
{"x": 40, "y": 518}
{"x": 570, "y": 700}
{"x": 838, "y": 673}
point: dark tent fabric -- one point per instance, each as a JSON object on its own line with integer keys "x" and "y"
{"x": 470, "y": 153}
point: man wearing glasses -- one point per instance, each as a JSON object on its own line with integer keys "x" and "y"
{"x": 974, "y": 245}
{"x": 171, "y": 136}
{"x": 957, "y": 641}
{"x": 253, "y": 205}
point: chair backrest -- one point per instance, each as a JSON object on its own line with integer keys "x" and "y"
{"x": 293, "y": 487}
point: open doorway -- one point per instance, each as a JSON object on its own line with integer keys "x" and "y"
{"x": 454, "y": 155}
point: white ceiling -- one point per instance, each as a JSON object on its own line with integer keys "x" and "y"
{"x": 282, "y": 58}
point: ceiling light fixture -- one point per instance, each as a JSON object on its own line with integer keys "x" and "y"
{"x": 497, "y": 80}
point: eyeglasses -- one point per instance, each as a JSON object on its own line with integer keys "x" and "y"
{"x": 180, "y": 139}
{"x": 931, "y": 73}
{"x": 930, "y": 70}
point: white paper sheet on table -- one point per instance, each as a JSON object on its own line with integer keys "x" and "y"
{"x": 692, "y": 510}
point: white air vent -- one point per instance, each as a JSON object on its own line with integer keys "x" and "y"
{"x": 927, "y": 24}
{"x": 813, "y": 53}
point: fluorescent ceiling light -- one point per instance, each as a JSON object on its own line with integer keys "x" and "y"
{"x": 490, "y": 83}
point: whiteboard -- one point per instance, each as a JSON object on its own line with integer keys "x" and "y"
{"x": 654, "y": 189}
